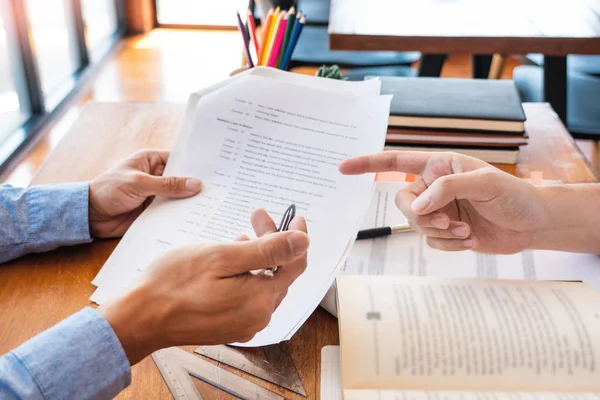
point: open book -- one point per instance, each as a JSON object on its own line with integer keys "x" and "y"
{"x": 468, "y": 339}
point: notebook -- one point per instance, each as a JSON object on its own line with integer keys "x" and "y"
{"x": 462, "y": 104}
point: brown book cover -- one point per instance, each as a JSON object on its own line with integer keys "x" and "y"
{"x": 454, "y": 138}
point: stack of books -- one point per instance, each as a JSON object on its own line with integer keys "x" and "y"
{"x": 480, "y": 118}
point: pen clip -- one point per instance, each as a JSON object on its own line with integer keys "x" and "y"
{"x": 286, "y": 220}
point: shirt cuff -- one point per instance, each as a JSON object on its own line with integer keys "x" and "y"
{"x": 58, "y": 214}
{"x": 81, "y": 357}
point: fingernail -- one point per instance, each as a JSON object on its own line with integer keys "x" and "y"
{"x": 193, "y": 185}
{"x": 298, "y": 243}
{"x": 460, "y": 231}
{"x": 421, "y": 203}
{"x": 468, "y": 243}
{"x": 439, "y": 222}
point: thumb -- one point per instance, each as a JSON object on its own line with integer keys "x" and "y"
{"x": 478, "y": 185}
{"x": 169, "y": 186}
{"x": 266, "y": 252}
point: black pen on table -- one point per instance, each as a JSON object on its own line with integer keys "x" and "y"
{"x": 382, "y": 231}
{"x": 287, "y": 218}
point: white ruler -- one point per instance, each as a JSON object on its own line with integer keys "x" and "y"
{"x": 176, "y": 366}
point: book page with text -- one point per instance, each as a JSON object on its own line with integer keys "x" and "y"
{"x": 468, "y": 334}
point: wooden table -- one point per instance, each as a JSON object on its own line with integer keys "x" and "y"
{"x": 37, "y": 291}
{"x": 554, "y": 28}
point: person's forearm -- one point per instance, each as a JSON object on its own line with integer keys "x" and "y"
{"x": 79, "y": 358}
{"x": 42, "y": 218}
{"x": 572, "y": 220}
{"x": 136, "y": 323}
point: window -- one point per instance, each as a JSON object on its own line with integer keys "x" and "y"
{"x": 14, "y": 109}
{"x": 199, "y": 12}
{"x": 45, "y": 46}
{"x": 101, "y": 23}
{"x": 55, "y": 44}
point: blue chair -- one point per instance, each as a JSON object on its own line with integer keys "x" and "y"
{"x": 313, "y": 48}
{"x": 585, "y": 64}
{"x": 583, "y": 98}
{"x": 317, "y": 11}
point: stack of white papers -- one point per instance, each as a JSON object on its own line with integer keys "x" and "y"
{"x": 264, "y": 138}
{"x": 407, "y": 254}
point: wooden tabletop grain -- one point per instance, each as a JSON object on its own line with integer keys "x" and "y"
{"x": 37, "y": 291}
{"x": 551, "y": 27}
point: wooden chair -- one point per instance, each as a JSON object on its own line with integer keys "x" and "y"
{"x": 498, "y": 63}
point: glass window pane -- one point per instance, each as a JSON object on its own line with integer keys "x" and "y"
{"x": 100, "y": 17}
{"x": 14, "y": 105}
{"x": 199, "y": 12}
{"x": 55, "y": 42}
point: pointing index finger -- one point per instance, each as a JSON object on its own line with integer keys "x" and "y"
{"x": 412, "y": 162}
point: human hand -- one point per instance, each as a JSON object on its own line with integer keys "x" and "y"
{"x": 118, "y": 196}
{"x": 460, "y": 202}
{"x": 205, "y": 294}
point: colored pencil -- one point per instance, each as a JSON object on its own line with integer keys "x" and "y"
{"x": 252, "y": 31}
{"x": 244, "y": 33}
{"x": 293, "y": 42}
{"x": 271, "y": 41}
{"x": 292, "y": 20}
{"x": 278, "y": 41}
{"x": 265, "y": 36}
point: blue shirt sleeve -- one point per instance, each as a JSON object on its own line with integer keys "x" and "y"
{"x": 42, "y": 218}
{"x": 80, "y": 358}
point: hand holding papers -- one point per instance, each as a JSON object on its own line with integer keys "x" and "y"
{"x": 264, "y": 139}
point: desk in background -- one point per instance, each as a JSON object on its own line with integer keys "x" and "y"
{"x": 554, "y": 28}
{"x": 37, "y": 291}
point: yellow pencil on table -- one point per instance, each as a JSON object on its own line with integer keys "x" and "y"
{"x": 264, "y": 36}
{"x": 272, "y": 35}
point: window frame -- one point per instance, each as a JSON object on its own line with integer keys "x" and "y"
{"x": 44, "y": 109}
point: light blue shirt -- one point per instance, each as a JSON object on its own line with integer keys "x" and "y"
{"x": 81, "y": 357}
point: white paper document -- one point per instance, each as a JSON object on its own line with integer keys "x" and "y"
{"x": 407, "y": 254}
{"x": 263, "y": 141}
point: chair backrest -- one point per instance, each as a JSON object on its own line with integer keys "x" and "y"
{"x": 317, "y": 11}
